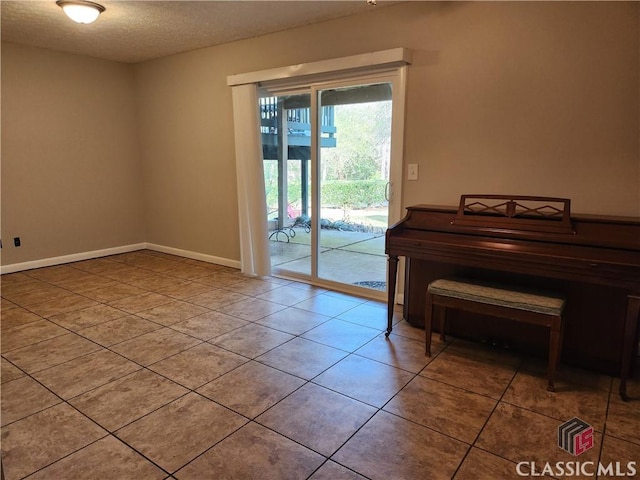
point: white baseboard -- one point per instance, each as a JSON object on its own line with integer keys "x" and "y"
{"x": 194, "y": 255}
{"x": 76, "y": 257}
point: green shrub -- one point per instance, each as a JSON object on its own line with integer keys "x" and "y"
{"x": 347, "y": 194}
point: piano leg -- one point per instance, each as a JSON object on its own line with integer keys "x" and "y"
{"x": 628, "y": 343}
{"x": 392, "y": 272}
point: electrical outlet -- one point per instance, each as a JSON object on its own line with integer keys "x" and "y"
{"x": 16, "y": 241}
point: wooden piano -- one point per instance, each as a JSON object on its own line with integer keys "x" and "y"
{"x": 533, "y": 242}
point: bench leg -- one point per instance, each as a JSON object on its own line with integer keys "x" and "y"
{"x": 441, "y": 316}
{"x": 428, "y": 319}
{"x": 554, "y": 351}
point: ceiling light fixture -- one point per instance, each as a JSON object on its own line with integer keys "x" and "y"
{"x": 81, "y": 11}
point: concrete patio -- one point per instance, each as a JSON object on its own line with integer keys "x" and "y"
{"x": 354, "y": 258}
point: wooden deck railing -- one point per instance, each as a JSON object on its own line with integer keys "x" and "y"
{"x": 298, "y": 124}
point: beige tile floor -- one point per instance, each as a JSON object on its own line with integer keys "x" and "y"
{"x": 150, "y": 366}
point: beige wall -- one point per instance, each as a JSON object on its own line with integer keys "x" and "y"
{"x": 529, "y": 98}
{"x": 538, "y": 98}
{"x": 186, "y": 134}
{"x": 532, "y": 98}
{"x": 70, "y": 159}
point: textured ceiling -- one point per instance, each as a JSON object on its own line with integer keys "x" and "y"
{"x": 135, "y": 31}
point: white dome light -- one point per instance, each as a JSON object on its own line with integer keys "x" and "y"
{"x": 81, "y": 11}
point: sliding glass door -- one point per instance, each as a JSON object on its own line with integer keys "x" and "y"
{"x": 328, "y": 168}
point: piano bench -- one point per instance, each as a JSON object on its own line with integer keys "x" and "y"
{"x": 498, "y": 301}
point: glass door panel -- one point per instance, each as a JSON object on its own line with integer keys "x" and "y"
{"x": 286, "y": 148}
{"x": 353, "y": 170}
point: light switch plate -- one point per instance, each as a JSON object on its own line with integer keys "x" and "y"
{"x": 412, "y": 171}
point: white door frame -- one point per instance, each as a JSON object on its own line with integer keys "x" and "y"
{"x": 392, "y": 62}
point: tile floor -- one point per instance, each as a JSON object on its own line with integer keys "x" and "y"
{"x": 150, "y": 366}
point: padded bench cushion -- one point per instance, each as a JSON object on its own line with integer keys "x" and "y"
{"x": 497, "y": 295}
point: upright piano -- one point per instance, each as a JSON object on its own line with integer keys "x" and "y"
{"x": 532, "y": 242}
